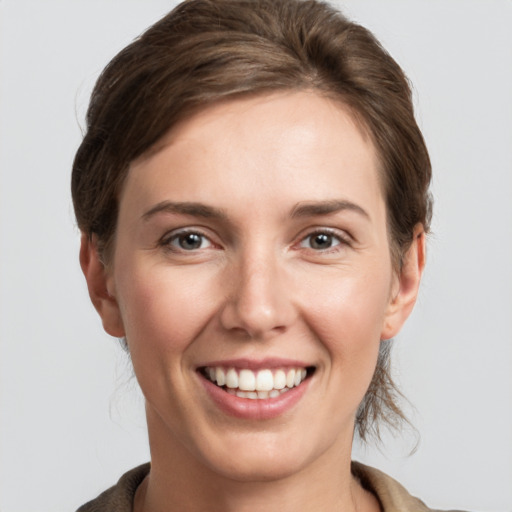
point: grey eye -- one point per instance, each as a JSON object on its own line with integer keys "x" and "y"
{"x": 190, "y": 241}
{"x": 320, "y": 241}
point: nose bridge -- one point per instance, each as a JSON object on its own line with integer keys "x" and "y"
{"x": 259, "y": 302}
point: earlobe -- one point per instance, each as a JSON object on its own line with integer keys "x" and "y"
{"x": 403, "y": 300}
{"x": 98, "y": 279}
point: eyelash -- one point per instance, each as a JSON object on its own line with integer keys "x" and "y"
{"x": 334, "y": 236}
{"x": 175, "y": 236}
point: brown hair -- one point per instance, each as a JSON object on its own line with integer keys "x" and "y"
{"x": 205, "y": 51}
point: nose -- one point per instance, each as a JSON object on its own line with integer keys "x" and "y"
{"x": 259, "y": 301}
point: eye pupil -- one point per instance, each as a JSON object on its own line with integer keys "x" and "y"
{"x": 321, "y": 241}
{"x": 190, "y": 241}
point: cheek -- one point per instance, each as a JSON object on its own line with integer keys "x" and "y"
{"x": 163, "y": 309}
{"x": 349, "y": 306}
{"x": 347, "y": 317}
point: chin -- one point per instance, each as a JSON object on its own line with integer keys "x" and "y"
{"x": 259, "y": 460}
{"x": 259, "y": 468}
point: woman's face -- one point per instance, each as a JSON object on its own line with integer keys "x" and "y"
{"x": 252, "y": 250}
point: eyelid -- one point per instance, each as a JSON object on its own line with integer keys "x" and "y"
{"x": 166, "y": 240}
{"x": 342, "y": 236}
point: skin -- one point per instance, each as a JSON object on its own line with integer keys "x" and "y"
{"x": 256, "y": 287}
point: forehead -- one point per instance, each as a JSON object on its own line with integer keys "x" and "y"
{"x": 268, "y": 143}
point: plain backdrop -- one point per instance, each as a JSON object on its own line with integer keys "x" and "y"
{"x": 71, "y": 417}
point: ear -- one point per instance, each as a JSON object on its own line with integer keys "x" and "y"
{"x": 407, "y": 286}
{"x": 100, "y": 285}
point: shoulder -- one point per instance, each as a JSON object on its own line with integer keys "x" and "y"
{"x": 392, "y": 496}
{"x": 118, "y": 498}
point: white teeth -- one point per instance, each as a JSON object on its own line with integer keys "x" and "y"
{"x": 247, "y": 380}
{"x": 232, "y": 378}
{"x": 290, "y": 378}
{"x": 264, "y": 380}
{"x": 263, "y": 384}
{"x": 220, "y": 376}
{"x": 279, "y": 380}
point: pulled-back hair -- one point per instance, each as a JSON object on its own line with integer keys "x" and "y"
{"x": 205, "y": 51}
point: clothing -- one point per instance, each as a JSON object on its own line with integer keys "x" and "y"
{"x": 391, "y": 495}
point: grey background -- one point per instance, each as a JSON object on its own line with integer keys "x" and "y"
{"x": 71, "y": 417}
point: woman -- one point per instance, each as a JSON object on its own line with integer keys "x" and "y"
{"x": 252, "y": 192}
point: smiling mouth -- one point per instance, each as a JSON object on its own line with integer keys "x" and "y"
{"x": 261, "y": 384}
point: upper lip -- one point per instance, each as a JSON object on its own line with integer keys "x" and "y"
{"x": 257, "y": 364}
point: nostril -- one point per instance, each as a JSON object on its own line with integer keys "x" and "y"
{"x": 258, "y": 301}
{"x": 256, "y": 321}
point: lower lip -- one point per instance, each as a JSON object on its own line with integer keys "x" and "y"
{"x": 254, "y": 409}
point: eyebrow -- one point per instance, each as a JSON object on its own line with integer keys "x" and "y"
{"x": 310, "y": 209}
{"x": 185, "y": 208}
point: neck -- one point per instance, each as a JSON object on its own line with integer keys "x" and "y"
{"x": 177, "y": 478}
